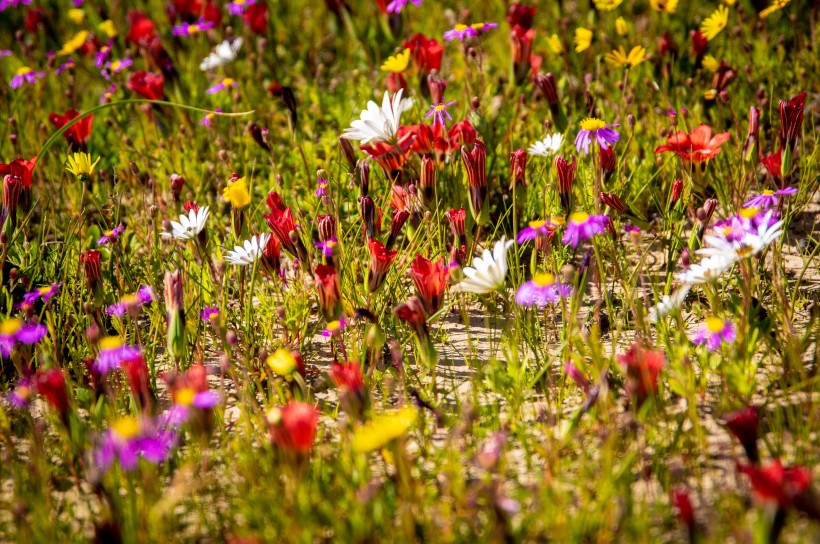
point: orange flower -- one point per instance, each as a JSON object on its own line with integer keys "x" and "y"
{"x": 697, "y": 146}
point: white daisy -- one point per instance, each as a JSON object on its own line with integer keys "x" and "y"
{"x": 669, "y": 303}
{"x": 379, "y": 124}
{"x": 488, "y": 271}
{"x": 548, "y": 146}
{"x": 222, "y": 55}
{"x": 249, "y": 251}
{"x": 709, "y": 269}
{"x": 189, "y": 225}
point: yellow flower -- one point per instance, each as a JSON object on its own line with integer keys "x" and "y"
{"x": 77, "y": 15}
{"x": 710, "y": 94}
{"x": 607, "y": 5}
{"x": 237, "y": 193}
{"x": 107, "y": 28}
{"x": 777, "y": 5}
{"x": 711, "y": 63}
{"x": 664, "y": 6}
{"x": 583, "y": 39}
{"x": 397, "y": 63}
{"x": 73, "y": 44}
{"x": 80, "y": 164}
{"x": 620, "y": 26}
{"x": 619, "y": 57}
{"x": 383, "y": 429}
{"x": 591, "y": 123}
{"x": 282, "y": 362}
{"x": 716, "y": 22}
{"x": 126, "y": 427}
{"x": 730, "y": 2}
{"x": 555, "y": 44}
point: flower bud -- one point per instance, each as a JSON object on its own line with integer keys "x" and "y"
{"x": 437, "y": 87}
{"x": 175, "y": 316}
{"x": 566, "y": 176}
{"x": 518, "y": 168}
{"x": 427, "y": 180}
{"x": 611, "y": 200}
{"x": 367, "y": 209}
{"x": 258, "y": 136}
{"x": 92, "y": 268}
{"x": 347, "y": 152}
{"x": 177, "y": 182}
{"x": 364, "y": 178}
{"x": 475, "y": 166}
{"x": 675, "y": 194}
{"x": 326, "y": 280}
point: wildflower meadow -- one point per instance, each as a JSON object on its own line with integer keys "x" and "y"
{"x": 409, "y": 271}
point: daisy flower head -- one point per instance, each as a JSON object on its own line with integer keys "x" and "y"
{"x": 715, "y": 23}
{"x": 226, "y": 84}
{"x": 237, "y": 193}
{"x": 708, "y": 270}
{"x": 595, "y": 129}
{"x": 14, "y": 330}
{"x": 776, "y": 5}
{"x": 110, "y": 235}
{"x": 101, "y": 55}
{"x": 583, "y": 226}
{"x": 45, "y": 293}
{"x": 619, "y": 57}
{"x": 714, "y": 332}
{"x": 223, "y": 54}
{"x": 209, "y": 314}
{"x": 327, "y": 247}
{"x": 67, "y": 65}
{"x": 321, "y": 187}
{"x": 237, "y": 7}
{"x": 130, "y": 439}
{"x": 116, "y": 66}
{"x": 209, "y": 117}
{"x": 189, "y": 225}
{"x": 669, "y": 303}
{"x": 80, "y": 164}
{"x": 582, "y": 39}
{"x": 768, "y": 198}
{"x": 72, "y": 45}
{"x": 539, "y": 227}
{"x": 664, "y": 6}
{"x": 249, "y": 252}
{"x": 108, "y": 94}
{"x": 25, "y": 74}
{"x": 543, "y": 289}
{"x": 620, "y": 26}
{"x": 487, "y": 272}
{"x": 186, "y": 29}
{"x": 548, "y": 146}
{"x": 397, "y": 64}
{"x": 113, "y": 351}
{"x": 462, "y": 31}
{"x": 133, "y": 302}
{"x": 20, "y": 396}
{"x": 107, "y": 27}
{"x": 334, "y": 328}
{"x": 607, "y": 5}
{"x": 438, "y": 111}
{"x": 397, "y": 5}
{"x": 379, "y": 124}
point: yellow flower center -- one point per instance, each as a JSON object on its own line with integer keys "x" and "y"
{"x": 768, "y": 192}
{"x": 110, "y": 342}
{"x": 590, "y": 123}
{"x": 282, "y": 362}
{"x": 115, "y": 65}
{"x": 228, "y": 82}
{"x": 537, "y": 224}
{"x": 579, "y": 217}
{"x": 748, "y": 213}
{"x": 23, "y": 391}
{"x": 478, "y": 26}
{"x": 44, "y": 290}
{"x": 10, "y": 326}
{"x": 193, "y": 29}
{"x": 460, "y": 27}
{"x": 23, "y": 70}
{"x": 334, "y": 326}
{"x": 543, "y": 279}
{"x": 127, "y": 427}
{"x": 714, "y": 324}
{"x": 744, "y": 252}
{"x": 557, "y": 220}
{"x": 185, "y": 396}
{"x": 130, "y": 299}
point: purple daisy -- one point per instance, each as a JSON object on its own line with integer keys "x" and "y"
{"x": 209, "y": 117}
{"x": 64, "y": 66}
{"x": 186, "y": 29}
{"x": 321, "y": 187}
{"x": 102, "y": 54}
{"x": 225, "y": 84}
{"x": 438, "y": 111}
{"x": 595, "y": 129}
{"x": 582, "y": 226}
{"x": 128, "y": 439}
{"x": 237, "y": 7}
{"x": 397, "y": 5}
{"x": 537, "y": 228}
{"x": 714, "y": 332}
{"x": 185, "y": 400}
{"x": 209, "y": 314}
{"x": 108, "y": 94}
{"x": 20, "y": 396}
{"x": 110, "y": 235}
{"x": 4, "y": 4}
{"x": 25, "y": 75}
{"x": 333, "y": 328}
{"x": 769, "y": 198}
{"x": 462, "y": 31}
{"x": 542, "y": 290}
{"x": 14, "y": 330}
{"x": 132, "y": 303}
{"x": 116, "y": 66}
{"x": 46, "y": 293}
{"x": 327, "y": 246}
{"x": 113, "y": 351}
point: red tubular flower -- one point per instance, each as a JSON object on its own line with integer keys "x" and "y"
{"x": 78, "y": 134}
{"x": 548, "y": 87}
{"x": 777, "y": 483}
{"x": 396, "y": 81}
{"x": 426, "y": 53}
{"x": 699, "y": 44}
{"x": 147, "y": 84}
{"x": 397, "y": 220}
{"x": 389, "y": 157}
{"x": 612, "y": 201}
{"x": 327, "y": 286}
{"x": 92, "y": 267}
{"x": 138, "y": 380}
{"x": 280, "y": 220}
{"x": 20, "y": 168}
{"x": 12, "y": 187}
{"x": 430, "y": 280}
{"x": 427, "y": 180}
{"x": 667, "y": 46}
{"x": 457, "y": 219}
{"x": 51, "y": 384}
{"x": 566, "y": 175}
{"x": 791, "y": 119}
{"x": 520, "y": 15}
{"x": 367, "y": 209}
{"x": 643, "y": 367}
{"x": 422, "y": 137}
{"x": 773, "y": 164}
{"x": 461, "y": 134}
{"x": 141, "y": 28}
{"x": 326, "y": 224}
{"x": 271, "y": 256}
{"x": 256, "y": 17}
{"x": 521, "y": 49}
{"x": 475, "y": 164}
{"x": 348, "y": 379}
{"x": 177, "y": 183}
{"x": 685, "y": 511}
{"x": 190, "y": 205}
{"x": 675, "y": 193}
{"x": 607, "y": 160}
{"x": 412, "y": 312}
{"x": 293, "y": 427}
{"x": 743, "y": 424}
{"x": 36, "y": 18}
{"x": 380, "y": 260}
{"x": 518, "y": 168}
{"x": 697, "y": 146}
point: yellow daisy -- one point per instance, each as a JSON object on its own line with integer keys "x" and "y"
{"x": 711, "y": 63}
{"x": 620, "y": 26}
{"x": 73, "y": 44}
{"x": 607, "y": 5}
{"x": 583, "y": 39}
{"x": 107, "y": 28}
{"x": 383, "y": 429}
{"x": 664, "y": 6}
{"x": 80, "y": 164}
{"x": 77, "y": 15}
{"x": 619, "y": 57}
{"x": 777, "y": 5}
{"x": 715, "y": 23}
{"x": 555, "y": 44}
{"x": 237, "y": 193}
{"x": 397, "y": 63}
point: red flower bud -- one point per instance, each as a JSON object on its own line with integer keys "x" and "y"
{"x": 612, "y": 200}
{"x": 518, "y": 168}
{"x": 177, "y": 182}
{"x": 412, "y": 312}
{"x": 147, "y": 84}
{"x": 430, "y": 280}
{"x": 427, "y": 179}
{"x": 293, "y": 427}
{"x": 326, "y": 280}
{"x": 92, "y": 267}
{"x": 791, "y": 119}
{"x": 566, "y": 175}
{"x": 675, "y": 194}
{"x": 520, "y": 15}
{"x": 743, "y": 424}
{"x": 475, "y": 164}
{"x": 380, "y": 260}
{"x": 51, "y": 384}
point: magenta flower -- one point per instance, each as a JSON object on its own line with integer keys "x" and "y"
{"x": 534, "y": 229}
{"x": 20, "y": 396}
{"x": 321, "y": 187}
{"x": 327, "y": 246}
{"x": 110, "y": 235}
{"x": 5, "y": 53}
{"x": 14, "y": 330}
{"x": 237, "y": 7}
{"x": 714, "y": 332}
{"x": 225, "y": 84}
{"x": 4, "y": 4}
{"x": 209, "y": 314}
{"x": 397, "y": 5}
{"x": 113, "y": 352}
{"x": 64, "y": 66}
{"x": 595, "y": 129}
{"x": 462, "y": 31}
{"x": 132, "y": 303}
{"x": 769, "y": 198}
{"x": 102, "y": 54}
{"x": 108, "y": 94}
{"x": 438, "y": 111}
{"x": 25, "y": 75}
{"x": 582, "y": 226}
{"x": 128, "y": 439}
{"x": 116, "y": 66}
{"x": 46, "y": 293}
{"x": 542, "y": 290}
{"x": 209, "y": 117}
{"x": 185, "y": 400}
{"x": 186, "y": 29}
{"x": 333, "y": 328}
